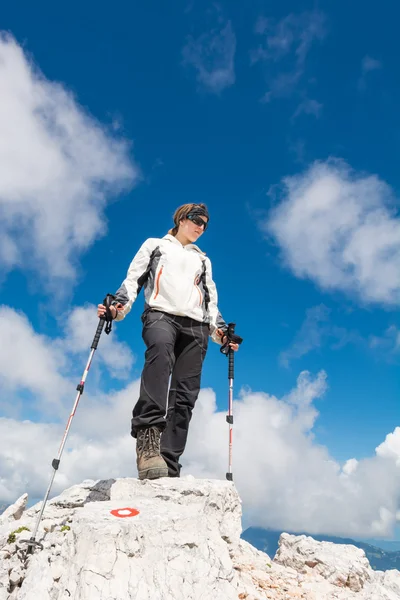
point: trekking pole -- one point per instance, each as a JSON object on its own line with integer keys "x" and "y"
{"x": 226, "y": 349}
{"x": 106, "y": 319}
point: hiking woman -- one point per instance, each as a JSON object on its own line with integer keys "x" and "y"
{"x": 180, "y": 314}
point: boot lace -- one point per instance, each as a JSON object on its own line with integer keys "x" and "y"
{"x": 151, "y": 442}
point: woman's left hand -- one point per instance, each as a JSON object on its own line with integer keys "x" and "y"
{"x": 234, "y": 346}
{"x": 223, "y": 337}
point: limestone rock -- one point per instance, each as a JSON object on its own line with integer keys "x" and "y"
{"x": 172, "y": 539}
{"x": 14, "y": 512}
{"x": 48, "y": 525}
{"x": 384, "y": 586}
{"x": 176, "y": 547}
{"x": 4, "y": 580}
{"x": 75, "y": 497}
{"x": 16, "y": 576}
{"x": 340, "y": 564}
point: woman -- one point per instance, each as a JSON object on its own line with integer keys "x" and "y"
{"x": 180, "y": 313}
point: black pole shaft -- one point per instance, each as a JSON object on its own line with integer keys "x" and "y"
{"x": 231, "y": 369}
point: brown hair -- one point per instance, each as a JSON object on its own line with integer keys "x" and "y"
{"x": 181, "y": 213}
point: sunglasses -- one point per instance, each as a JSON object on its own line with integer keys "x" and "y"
{"x": 197, "y": 220}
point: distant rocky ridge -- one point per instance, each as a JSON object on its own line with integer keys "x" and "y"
{"x": 267, "y": 540}
{"x": 170, "y": 539}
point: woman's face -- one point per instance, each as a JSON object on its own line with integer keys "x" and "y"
{"x": 192, "y": 230}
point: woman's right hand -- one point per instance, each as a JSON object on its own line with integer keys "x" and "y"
{"x": 101, "y": 310}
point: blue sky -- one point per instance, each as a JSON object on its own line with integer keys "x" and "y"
{"x": 283, "y": 118}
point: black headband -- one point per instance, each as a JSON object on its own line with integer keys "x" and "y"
{"x": 199, "y": 211}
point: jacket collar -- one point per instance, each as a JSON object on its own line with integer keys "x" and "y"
{"x": 173, "y": 239}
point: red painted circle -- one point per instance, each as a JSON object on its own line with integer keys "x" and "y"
{"x": 124, "y": 512}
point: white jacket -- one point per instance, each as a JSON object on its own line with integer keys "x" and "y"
{"x": 176, "y": 279}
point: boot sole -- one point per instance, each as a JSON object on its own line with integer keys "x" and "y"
{"x": 153, "y": 473}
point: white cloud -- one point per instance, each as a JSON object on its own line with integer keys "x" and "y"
{"x": 350, "y": 466}
{"x": 309, "y": 336}
{"x": 99, "y": 446}
{"x": 390, "y": 448}
{"x": 293, "y": 33}
{"x": 284, "y": 50}
{"x": 339, "y": 229}
{"x": 368, "y": 64}
{"x": 28, "y": 362}
{"x": 315, "y": 331}
{"x": 286, "y": 480}
{"x": 389, "y": 341}
{"x": 282, "y": 86}
{"x": 59, "y": 168}
{"x": 36, "y": 378}
{"x": 212, "y": 55}
{"x": 36, "y": 371}
{"x": 308, "y": 107}
{"x": 80, "y": 327}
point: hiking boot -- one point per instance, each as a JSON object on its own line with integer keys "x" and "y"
{"x": 150, "y": 463}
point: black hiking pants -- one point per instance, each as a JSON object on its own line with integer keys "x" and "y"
{"x": 176, "y": 347}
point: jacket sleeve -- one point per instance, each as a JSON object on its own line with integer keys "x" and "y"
{"x": 216, "y": 320}
{"x": 134, "y": 279}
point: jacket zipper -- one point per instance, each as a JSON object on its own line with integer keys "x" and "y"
{"x": 158, "y": 282}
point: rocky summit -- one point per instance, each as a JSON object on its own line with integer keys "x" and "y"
{"x": 169, "y": 539}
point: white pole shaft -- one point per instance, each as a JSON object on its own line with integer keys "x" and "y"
{"x": 60, "y": 451}
{"x": 230, "y": 418}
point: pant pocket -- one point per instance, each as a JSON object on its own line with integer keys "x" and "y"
{"x": 151, "y": 318}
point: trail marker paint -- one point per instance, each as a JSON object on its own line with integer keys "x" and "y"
{"x": 124, "y": 512}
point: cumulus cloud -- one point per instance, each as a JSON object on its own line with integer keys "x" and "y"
{"x": 35, "y": 371}
{"x": 36, "y": 381}
{"x": 340, "y": 229}
{"x": 212, "y": 55}
{"x": 390, "y": 448}
{"x": 28, "y": 363}
{"x": 286, "y": 480}
{"x": 350, "y": 466}
{"x": 99, "y": 446}
{"x": 79, "y": 327}
{"x": 284, "y": 49}
{"x": 59, "y": 168}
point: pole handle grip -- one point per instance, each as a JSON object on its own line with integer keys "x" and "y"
{"x": 97, "y": 335}
{"x": 230, "y": 336}
{"x": 107, "y": 318}
{"x": 103, "y": 320}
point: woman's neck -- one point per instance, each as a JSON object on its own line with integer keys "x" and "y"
{"x": 182, "y": 239}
